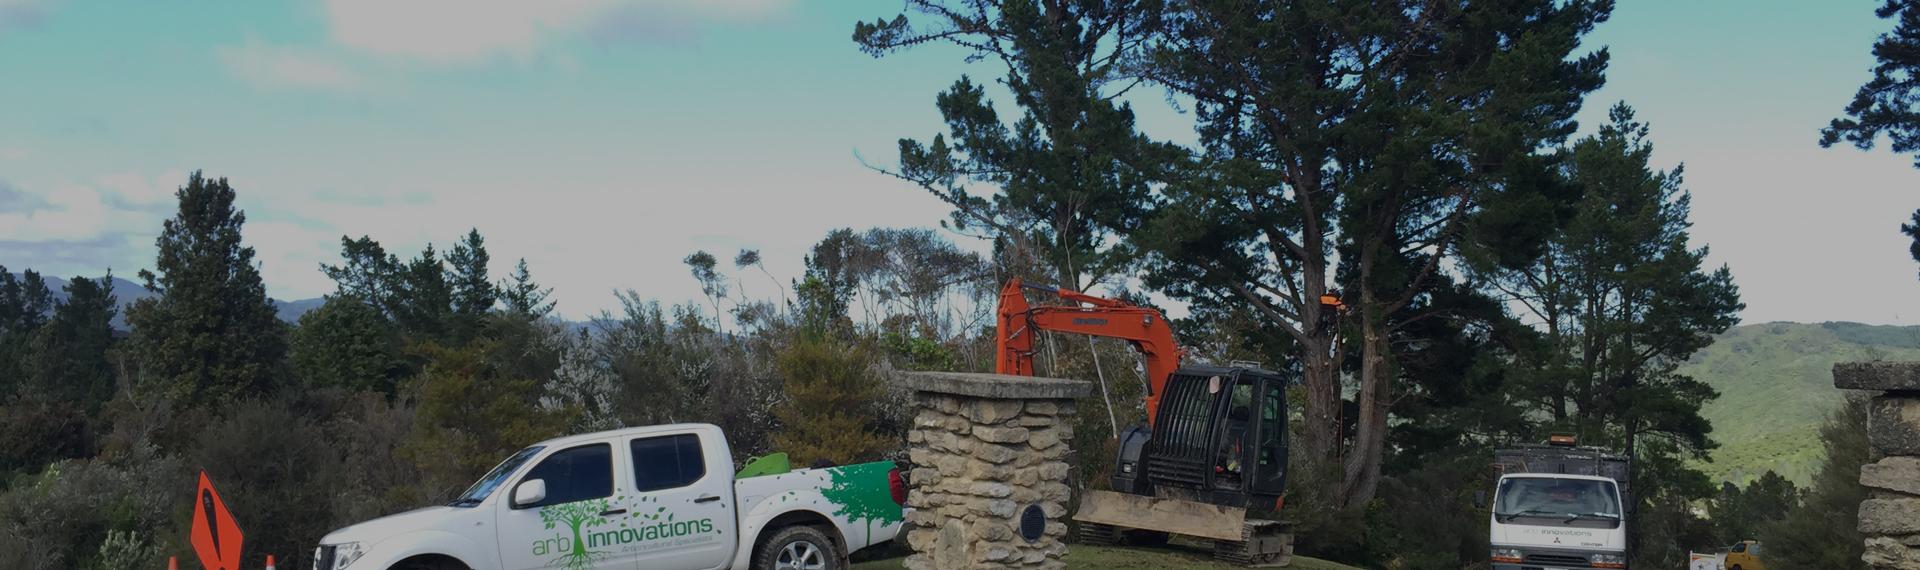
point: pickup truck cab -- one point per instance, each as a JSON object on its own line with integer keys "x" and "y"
{"x": 659, "y": 497}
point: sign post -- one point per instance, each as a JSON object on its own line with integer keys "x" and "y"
{"x": 216, "y": 538}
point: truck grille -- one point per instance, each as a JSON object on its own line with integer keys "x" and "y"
{"x": 1557, "y": 559}
{"x": 323, "y": 558}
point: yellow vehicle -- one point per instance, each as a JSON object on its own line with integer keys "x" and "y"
{"x": 1744, "y": 556}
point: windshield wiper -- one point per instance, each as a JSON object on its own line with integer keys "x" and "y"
{"x": 464, "y": 502}
{"x": 1527, "y": 513}
{"x": 1606, "y": 516}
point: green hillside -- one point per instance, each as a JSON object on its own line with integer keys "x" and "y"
{"x": 1776, "y": 386}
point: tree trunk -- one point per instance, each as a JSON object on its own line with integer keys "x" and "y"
{"x": 1320, "y": 435}
{"x": 1369, "y": 442}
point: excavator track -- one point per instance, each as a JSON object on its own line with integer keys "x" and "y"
{"x": 1099, "y": 534}
{"x": 1262, "y": 544}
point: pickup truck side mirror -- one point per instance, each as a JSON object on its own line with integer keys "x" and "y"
{"x": 1479, "y": 499}
{"x": 529, "y": 493}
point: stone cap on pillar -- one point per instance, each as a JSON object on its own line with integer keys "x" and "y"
{"x": 1896, "y": 376}
{"x": 998, "y": 386}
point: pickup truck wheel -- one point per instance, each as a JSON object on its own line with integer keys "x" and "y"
{"x": 798, "y": 548}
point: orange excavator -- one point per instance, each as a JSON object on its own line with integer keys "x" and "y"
{"x": 1211, "y": 461}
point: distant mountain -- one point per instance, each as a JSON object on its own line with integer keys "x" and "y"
{"x": 128, "y": 291}
{"x": 1776, "y": 388}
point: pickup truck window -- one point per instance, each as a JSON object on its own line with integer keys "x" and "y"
{"x": 666, "y": 462}
{"x": 485, "y": 486}
{"x": 575, "y": 474}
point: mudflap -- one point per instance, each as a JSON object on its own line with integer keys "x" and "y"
{"x": 1173, "y": 516}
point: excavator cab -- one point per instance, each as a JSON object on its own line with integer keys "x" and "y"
{"x": 1219, "y": 437}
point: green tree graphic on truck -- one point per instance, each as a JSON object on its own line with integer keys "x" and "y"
{"x": 575, "y": 516}
{"x": 857, "y": 498}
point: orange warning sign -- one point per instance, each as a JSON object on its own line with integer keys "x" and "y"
{"x": 215, "y": 536}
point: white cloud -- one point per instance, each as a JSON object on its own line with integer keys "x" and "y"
{"x": 21, "y": 13}
{"x": 465, "y": 31}
{"x": 274, "y": 67}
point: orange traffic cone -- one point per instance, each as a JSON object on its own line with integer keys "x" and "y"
{"x": 173, "y": 563}
{"x": 270, "y": 562}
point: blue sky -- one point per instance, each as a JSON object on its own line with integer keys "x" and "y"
{"x": 605, "y": 139}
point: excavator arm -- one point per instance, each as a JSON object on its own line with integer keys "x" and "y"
{"x": 1146, "y": 329}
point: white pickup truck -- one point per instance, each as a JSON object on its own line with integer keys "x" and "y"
{"x": 660, "y": 497}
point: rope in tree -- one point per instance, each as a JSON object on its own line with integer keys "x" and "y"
{"x": 1104, "y": 396}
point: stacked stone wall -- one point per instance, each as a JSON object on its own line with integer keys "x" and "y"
{"x": 1890, "y": 516}
{"x": 986, "y": 450}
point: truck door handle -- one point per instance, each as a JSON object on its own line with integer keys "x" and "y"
{"x": 707, "y": 499}
{"x": 613, "y": 512}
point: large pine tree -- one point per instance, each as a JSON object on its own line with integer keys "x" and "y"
{"x": 1889, "y": 103}
{"x": 1349, "y": 145}
{"x": 211, "y": 334}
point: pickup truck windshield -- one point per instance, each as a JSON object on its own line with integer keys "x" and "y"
{"x": 485, "y": 486}
{"x": 1562, "y": 502}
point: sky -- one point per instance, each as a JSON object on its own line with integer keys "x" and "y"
{"x": 604, "y": 140}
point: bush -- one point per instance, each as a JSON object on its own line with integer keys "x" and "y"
{"x": 1822, "y": 532}
{"x": 61, "y": 517}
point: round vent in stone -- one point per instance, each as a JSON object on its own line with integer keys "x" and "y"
{"x": 1033, "y": 523}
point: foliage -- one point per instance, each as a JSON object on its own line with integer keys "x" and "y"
{"x": 471, "y": 413}
{"x": 522, "y": 296}
{"x": 69, "y": 355}
{"x": 1887, "y": 103}
{"x": 275, "y": 471}
{"x": 1738, "y": 514}
{"x": 830, "y": 391}
{"x": 347, "y": 343}
{"x": 24, "y": 302}
{"x": 1300, "y": 190}
{"x": 211, "y": 335}
{"x": 472, "y": 289}
{"x": 1822, "y": 531}
{"x": 60, "y": 517}
{"x": 1425, "y": 518}
{"x": 1072, "y": 167}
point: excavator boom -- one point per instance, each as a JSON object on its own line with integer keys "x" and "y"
{"x": 1145, "y": 328}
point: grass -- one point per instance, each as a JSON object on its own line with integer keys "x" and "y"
{"x": 1171, "y": 557}
{"x": 1776, "y": 386}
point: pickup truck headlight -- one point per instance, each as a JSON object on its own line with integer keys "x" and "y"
{"x": 1510, "y": 555}
{"x": 346, "y": 553}
{"x": 1608, "y": 561}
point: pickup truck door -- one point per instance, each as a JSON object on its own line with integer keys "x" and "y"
{"x": 682, "y": 509}
{"x": 568, "y": 528}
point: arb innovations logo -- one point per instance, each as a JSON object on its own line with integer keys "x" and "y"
{"x": 577, "y": 551}
{"x": 655, "y": 531}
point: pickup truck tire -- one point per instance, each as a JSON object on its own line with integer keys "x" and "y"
{"x": 798, "y": 547}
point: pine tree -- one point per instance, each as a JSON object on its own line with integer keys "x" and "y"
{"x": 471, "y": 286}
{"x": 1350, "y": 145}
{"x": 1071, "y": 168}
{"x": 69, "y": 358}
{"x": 522, "y": 296}
{"x": 211, "y": 335}
{"x": 24, "y": 302}
{"x": 422, "y": 302}
{"x": 1889, "y": 103}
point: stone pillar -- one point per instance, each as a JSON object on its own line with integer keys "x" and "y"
{"x": 1890, "y": 516}
{"x": 988, "y": 487}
